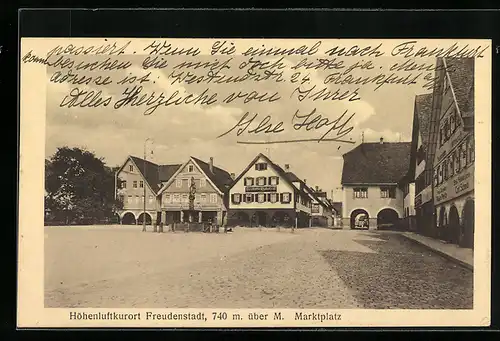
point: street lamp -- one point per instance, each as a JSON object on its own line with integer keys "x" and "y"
{"x": 144, "y": 187}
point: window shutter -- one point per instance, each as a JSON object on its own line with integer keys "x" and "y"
{"x": 245, "y": 181}
{"x": 233, "y": 198}
{"x": 265, "y": 198}
{"x": 265, "y": 181}
{"x": 281, "y": 197}
{"x": 277, "y": 180}
{"x": 256, "y": 166}
{"x": 269, "y": 197}
{"x": 269, "y": 181}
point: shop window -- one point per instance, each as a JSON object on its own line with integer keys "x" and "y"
{"x": 261, "y": 166}
{"x": 249, "y": 181}
{"x": 361, "y": 193}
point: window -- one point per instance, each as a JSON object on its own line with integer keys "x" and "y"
{"x": 445, "y": 169}
{"x": 167, "y": 198}
{"x": 261, "y": 181}
{"x": 129, "y": 199}
{"x": 150, "y": 199}
{"x": 178, "y": 183}
{"x": 190, "y": 169}
{"x": 141, "y": 184}
{"x": 273, "y": 197}
{"x": 261, "y": 166}
{"x": 315, "y": 208}
{"x": 134, "y": 184}
{"x": 213, "y": 198}
{"x": 440, "y": 137}
{"x": 185, "y": 198}
{"x": 457, "y": 161}
{"x": 142, "y": 198}
{"x": 177, "y": 197}
{"x": 261, "y": 197}
{"x": 463, "y": 153}
{"x": 471, "y": 149}
{"x": 361, "y": 193}
{"x": 203, "y": 198}
{"x": 124, "y": 184}
{"x": 440, "y": 174}
{"x": 286, "y": 198}
{"x": 436, "y": 177}
{"x": 203, "y": 182}
{"x": 136, "y": 199}
{"x": 248, "y": 181}
{"x": 451, "y": 165}
{"x": 131, "y": 168}
{"x": 273, "y": 180}
{"x": 236, "y": 198}
{"x": 387, "y": 192}
{"x": 248, "y": 197}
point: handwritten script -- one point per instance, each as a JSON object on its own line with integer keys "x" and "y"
{"x": 309, "y": 88}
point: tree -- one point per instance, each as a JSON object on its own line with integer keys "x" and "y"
{"x": 79, "y": 186}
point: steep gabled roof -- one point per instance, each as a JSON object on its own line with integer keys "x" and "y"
{"x": 376, "y": 163}
{"x": 461, "y": 72}
{"x": 423, "y": 108}
{"x": 154, "y": 174}
{"x": 221, "y": 178}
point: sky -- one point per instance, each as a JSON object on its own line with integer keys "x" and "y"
{"x": 177, "y": 132}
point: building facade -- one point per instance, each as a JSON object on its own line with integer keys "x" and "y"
{"x": 136, "y": 181}
{"x": 266, "y": 195}
{"x": 206, "y": 184}
{"x": 322, "y": 211}
{"x": 453, "y": 167}
{"x": 370, "y": 177}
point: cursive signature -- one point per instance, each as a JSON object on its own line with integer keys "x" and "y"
{"x": 264, "y": 126}
{"x": 315, "y": 121}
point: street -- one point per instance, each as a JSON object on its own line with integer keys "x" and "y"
{"x": 118, "y": 267}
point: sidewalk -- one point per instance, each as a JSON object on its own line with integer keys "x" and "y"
{"x": 463, "y": 256}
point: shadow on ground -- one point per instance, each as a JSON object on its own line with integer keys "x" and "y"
{"x": 402, "y": 275}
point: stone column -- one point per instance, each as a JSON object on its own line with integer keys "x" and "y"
{"x": 199, "y": 216}
{"x": 182, "y": 216}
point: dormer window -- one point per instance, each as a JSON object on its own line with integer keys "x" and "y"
{"x": 261, "y": 166}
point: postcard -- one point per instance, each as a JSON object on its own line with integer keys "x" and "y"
{"x": 173, "y": 183}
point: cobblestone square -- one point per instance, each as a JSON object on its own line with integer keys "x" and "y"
{"x": 118, "y": 267}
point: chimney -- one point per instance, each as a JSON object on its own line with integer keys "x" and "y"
{"x": 317, "y": 189}
{"x": 305, "y": 181}
{"x": 381, "y": 140}
{"x": 233, "y": 176}
{"x": 287, "y": 167}
{"x": 211, "y": 164}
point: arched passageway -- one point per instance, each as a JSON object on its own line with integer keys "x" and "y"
{"x": 387, "y": 218}
{"x": 128, "y": 219}
{"x": 148, "y": 219}
{"x": 453, "y": 226}
{"x": 467, "y": 228}
{"x": 360, "y": 219}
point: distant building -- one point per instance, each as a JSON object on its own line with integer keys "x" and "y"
{"x": 265, "y": 194}
{"x": 417, "y": 184}
{"x": 132, "y": 178}
{"x": 453, "y": 164}
{"x": 209, "y": 185}
{"x": 370, "y": 177}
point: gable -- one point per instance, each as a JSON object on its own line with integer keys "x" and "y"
{"x": 180, "y": 182}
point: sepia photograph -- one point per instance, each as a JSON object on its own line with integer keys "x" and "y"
{"x": 214, "y": 176}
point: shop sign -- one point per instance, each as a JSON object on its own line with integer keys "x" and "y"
{"x": 260, "y": 189}
{"x": 459, "y": 184}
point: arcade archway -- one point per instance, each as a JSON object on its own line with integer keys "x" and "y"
{"x": 128, "y": 219}
{"x": 387, "y": 218}
{"x": 261, "y": 218}
{"x": 467, "y": 227}
{"x": 454, "y": 225}
{"x": 360, "y": 219}
{"x": 148, "y": 218}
